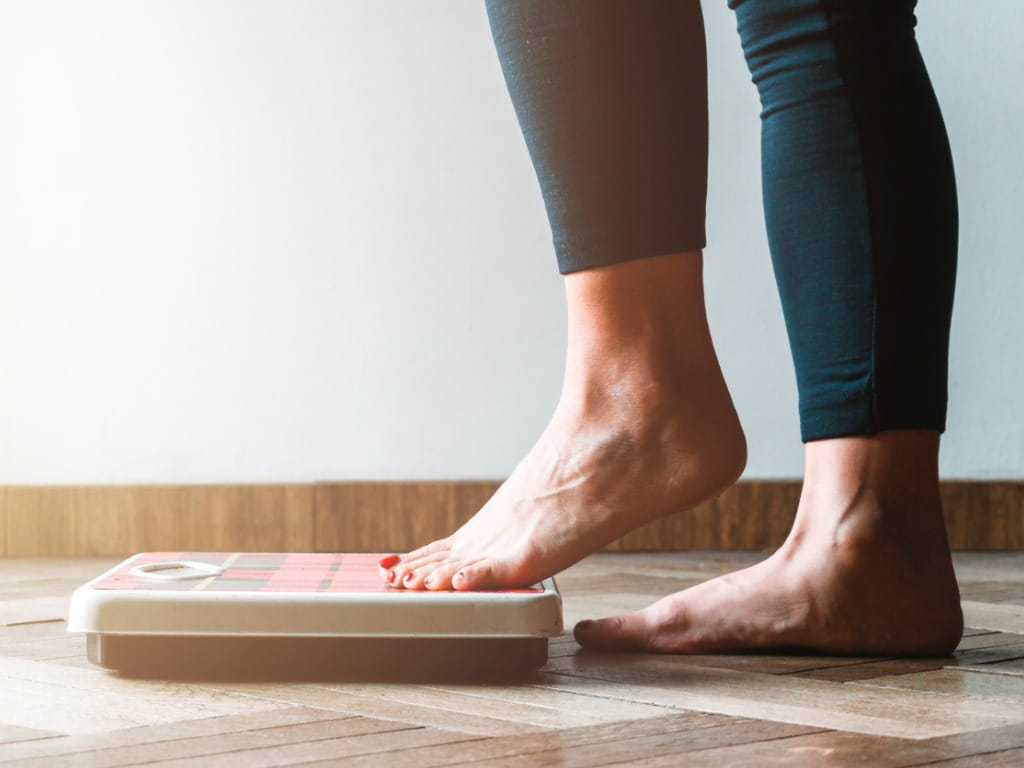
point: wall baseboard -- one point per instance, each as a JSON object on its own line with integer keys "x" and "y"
{"x": 398, "y": 516}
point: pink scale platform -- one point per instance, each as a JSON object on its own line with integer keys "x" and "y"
{"x": 260, "y": 614}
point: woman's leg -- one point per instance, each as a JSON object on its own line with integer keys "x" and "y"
{"x": 861, "y": 211}
{"x": 611, "y": 96}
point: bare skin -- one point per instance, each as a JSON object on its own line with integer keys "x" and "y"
{"x": 866, "y": 569}
{"x": 644, "y": 427}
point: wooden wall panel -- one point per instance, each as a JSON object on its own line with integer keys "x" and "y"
{"x": 3, "y": 521}
{"x": 984, "y": 515}
{"x": 40, "y": 521}
{"x": 754, "y": 515}
{"x": 226, "y": 518}
{"x": 367, "y": 517}
{"x": 112, "y": 520}
{"x": 398, "y": 516}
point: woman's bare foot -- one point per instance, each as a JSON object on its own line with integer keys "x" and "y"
{"x": 866, "y": 569}
{"x": 644, "y": 427}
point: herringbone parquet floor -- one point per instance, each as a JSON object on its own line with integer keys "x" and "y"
{"x": 579, "y": 710}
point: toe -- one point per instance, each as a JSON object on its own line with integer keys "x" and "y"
{"x": 441, "y": 576}
{"x": 628, "y": 632}
{"x": 394, "y": 568}
{"x": 413, "y": 579}
{"x": 410, "y": 573}
{"x": 488, "y": 573}
{"x": 386, "y": 566}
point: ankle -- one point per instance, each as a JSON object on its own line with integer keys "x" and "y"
{"x": 863, "y": 495}
{"x": 897, "y": 467}
{"x": 644, "y": 312}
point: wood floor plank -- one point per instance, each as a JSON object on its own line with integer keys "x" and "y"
{"x": 987, "y": 639}
{"x": 35, "y": 632}
{"x": 975, "y": 742}
{"x": 670, "y": 681}
{"x": 34, "y": 588}
{"x": 1012, "y": 667}
{"x": 34, "y": 609}
{"x": 538, "y": 716}
{"x": 775, "y": 664}
{"x": 486, "y": 709}
{"x": 871, "y": 669}
{"x": 430, "y": 713}
{"x": 995, "y": 654}
{"x": 964, "y": 683}
{"x": 426, "y": 716}
{"x": 43, "y": 648}
{"x": 13, "y": 733}
{"x": 31, "y": 631}
{"x": 476, "y": 752}
{"x": 972, "y": 652}
{"x": 976, "y": 631}
{"x": 575, "y": 709}
{"x": 839, "y": 749}
{"x": 67, "y": 700}
{"x": 216, "y": 746}
{"x": 582, "y": 709}
{"x": 22, "y": 577}
{"x": 575, "y": 608}
{"x": 15, "y": 569}
{"x": 767, "y": 663}
{"x": 1007, "y": 758}
{"x": 48, "y": 750}
{"x": 991, "y": 591}
{"x": 326, "y": 750}
{"x": 650, "y": 750}
{"x": 1002, "y": 617}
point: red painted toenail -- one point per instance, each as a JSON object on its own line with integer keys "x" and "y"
{"x": 409, "y": 576}
{"x": 428, "y": 581}
{"x": 391, "y": 575}
{"x": 388, "y": 561}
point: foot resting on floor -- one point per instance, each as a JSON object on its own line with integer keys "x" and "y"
{"x": 865, "y": 571}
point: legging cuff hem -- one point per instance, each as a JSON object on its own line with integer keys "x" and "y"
{"x": 606, "y": 256}
{"x": 824, "y": 426}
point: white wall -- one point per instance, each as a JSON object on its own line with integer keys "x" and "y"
{"x": 264, "y": 241}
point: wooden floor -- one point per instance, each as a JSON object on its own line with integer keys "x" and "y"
{"x": 581, "y": 709}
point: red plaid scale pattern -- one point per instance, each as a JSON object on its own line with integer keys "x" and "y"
{"x": 262, "y": 572}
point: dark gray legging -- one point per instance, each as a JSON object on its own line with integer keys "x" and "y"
{"x": 859, "y": 194}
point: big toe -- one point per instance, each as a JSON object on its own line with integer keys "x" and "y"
{"x": 628, "y": 632}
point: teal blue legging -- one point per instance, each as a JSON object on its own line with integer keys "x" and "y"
{"x": 859, "y": 193}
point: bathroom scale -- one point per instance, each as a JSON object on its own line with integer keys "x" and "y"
{"x": 201, "y": 614}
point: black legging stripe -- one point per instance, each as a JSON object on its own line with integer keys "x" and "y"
{"x": 859, "y": 193}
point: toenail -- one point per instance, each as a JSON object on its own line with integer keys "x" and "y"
{"x": 388, "y": 561}
{"x": 428, "y": 581}
{"x": 391, "y": 575}
{"x": 409, "y": 576}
